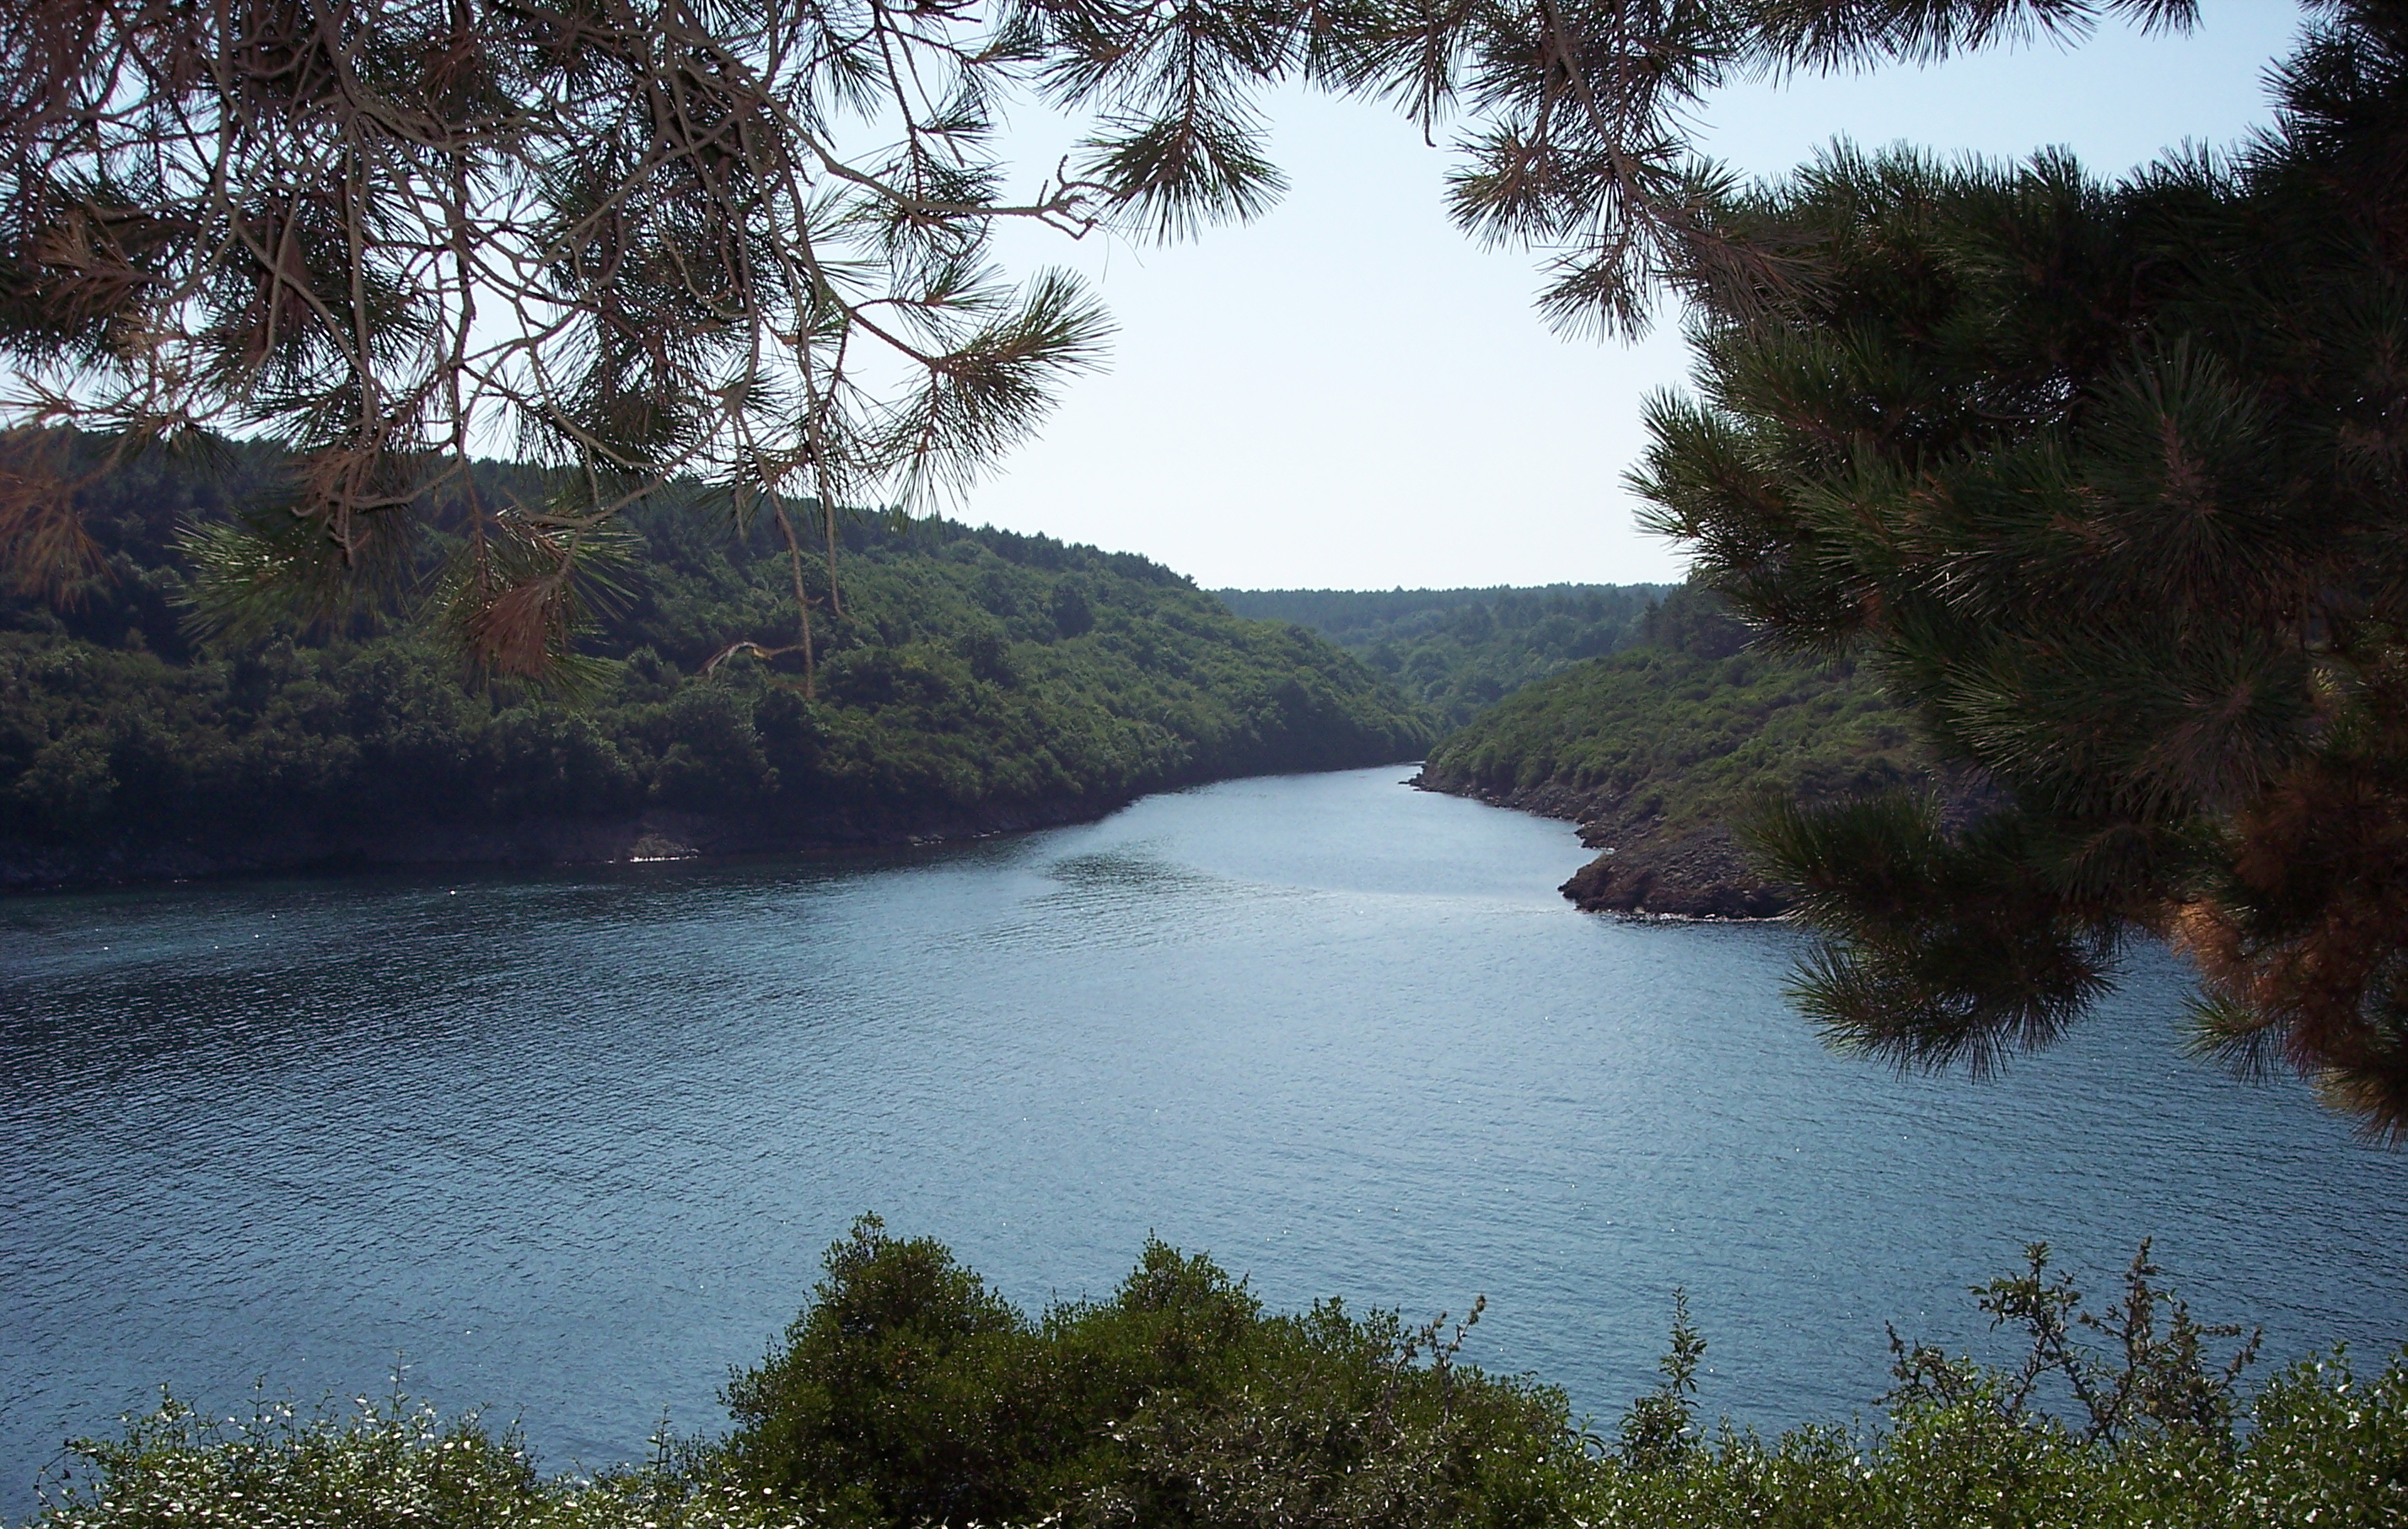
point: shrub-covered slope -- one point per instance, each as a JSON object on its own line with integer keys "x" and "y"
{"x": 980, "y": 680}
{"x": 1458, "y": 650}
{"x": 1657, "y": 751}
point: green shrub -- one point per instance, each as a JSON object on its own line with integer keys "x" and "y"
{"x": 384, "y": 1465}
{"x": 2150, "y": 1430}
{"x": 909, "y": 1392}
{"x": 890, "y": 1398}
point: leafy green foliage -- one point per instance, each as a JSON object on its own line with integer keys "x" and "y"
{"x": 2104, "y": 481}
{"x": 1458, "y": 650}
{"x": 387, "y": 1464}
{"x": 1659, "y": 1430}
{"x": 909, "y": 1393}
{"x": 2143, "y": 1379}
{"x": 2323, "y": 1447}
{"x": 894, "y": 1383}
{"x": 975, "y": 670}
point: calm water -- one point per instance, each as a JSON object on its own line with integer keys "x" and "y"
{"x": 570, "y": 1145}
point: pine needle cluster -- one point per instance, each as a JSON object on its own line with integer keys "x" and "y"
{"x": 743, "y": 242}
{"x": 2105, "y": 480}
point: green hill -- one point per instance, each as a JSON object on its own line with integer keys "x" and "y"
{"x": 1657, "y": 751}
{"x": 1458, "y": 650}
{"x": 981, "y": 680}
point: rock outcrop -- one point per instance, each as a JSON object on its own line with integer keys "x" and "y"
{"x": 1650, "y": 869}
{"x": 1700, "y": 874}
{"x": 1643, "y": 868}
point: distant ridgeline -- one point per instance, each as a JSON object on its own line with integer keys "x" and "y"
{"x": 1657, "y": 751}
{"x": 1458, "y": 650}
{"x": 978, "y": 681}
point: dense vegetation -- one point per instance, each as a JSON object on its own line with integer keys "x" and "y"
{"x": 908, "y": 1393}
{"x": 974, "y": 670}
{"x": 1682, "y": 740}
{"x": 1458, "y": 650}
{"x": 1668, "y": 752}
{"x": 1688, "y": 729}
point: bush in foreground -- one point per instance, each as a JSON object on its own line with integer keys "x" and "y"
{"x": 385, "y": 1465}
{"x": 910, "y": 1393}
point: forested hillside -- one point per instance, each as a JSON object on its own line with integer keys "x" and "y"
{"x": 1656, "y": 752}
{"x": 976, "y": 680}
{"x": 1458, "y": 650}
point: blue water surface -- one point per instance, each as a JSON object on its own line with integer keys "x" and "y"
{"x": 570, "y": 1145}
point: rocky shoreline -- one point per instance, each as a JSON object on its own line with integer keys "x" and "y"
{"x": 1640, "y": 869}
{"x": 660, "y": 835}
{"x": 1648, "y": 870}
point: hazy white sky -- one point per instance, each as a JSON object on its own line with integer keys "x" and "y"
{"x": 1349, "y": 393}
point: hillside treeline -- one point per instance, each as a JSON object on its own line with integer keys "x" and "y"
{"x": 1661, "y": 750}
{"x": 1685, "y": 726}
{"x": 974, "y": 673}
{"x": 1457, "y": 651}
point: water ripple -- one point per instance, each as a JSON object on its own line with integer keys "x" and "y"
{"x": 571, "y": 1144}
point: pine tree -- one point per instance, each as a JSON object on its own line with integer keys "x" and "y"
{"x": 746, "y": 243}
{"x": 2107, "y": 479}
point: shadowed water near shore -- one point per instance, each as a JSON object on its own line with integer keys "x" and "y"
{"x": 571, "y": 1144}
